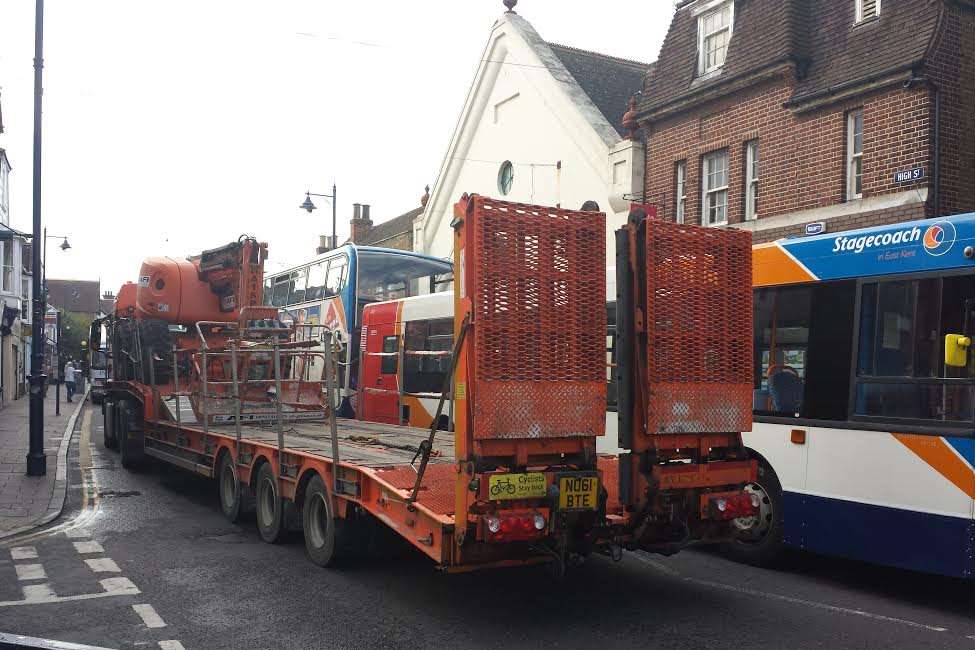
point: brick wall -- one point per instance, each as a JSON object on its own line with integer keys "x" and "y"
{"x": 849, "y": 222}
{"x": 803, "y": 155}
{"x": 952, "y": 68}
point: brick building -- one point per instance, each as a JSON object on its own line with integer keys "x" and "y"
{"x": 772, "y": 114}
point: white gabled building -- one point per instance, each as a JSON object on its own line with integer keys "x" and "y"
{"x": 543, "y": 124}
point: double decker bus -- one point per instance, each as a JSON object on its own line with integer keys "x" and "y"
{"x": 335, "y": 287}
{"x": 864, "y": 392}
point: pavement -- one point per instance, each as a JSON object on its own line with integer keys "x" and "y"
{"x": 145, "y": 559}
{"x": 29, "y": 501}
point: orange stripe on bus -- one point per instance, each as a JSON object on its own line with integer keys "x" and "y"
{"x": 771, "y": 266}
{"x": 936, "y": 453}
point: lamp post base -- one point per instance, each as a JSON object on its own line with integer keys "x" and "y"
{"x": 36, "y": 460}
{"x": 36, "y": 465}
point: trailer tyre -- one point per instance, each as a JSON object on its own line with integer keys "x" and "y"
{"x": 328, "y": 540}
{"x": 762, "y": 545}
{"x": 128, "y": 434}
{"x": 269, "y": 506}
{"x": 108, "y": 425}
{"x": 234, "y": 496}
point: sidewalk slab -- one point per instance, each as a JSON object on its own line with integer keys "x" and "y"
{"x": 30, "y": 501}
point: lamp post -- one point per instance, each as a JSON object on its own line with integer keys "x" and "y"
{"x": 36, "y": 460}
{"x": 57, "y": 365}
{"x": 309, "y": 206}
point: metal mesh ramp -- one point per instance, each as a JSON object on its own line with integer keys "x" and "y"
{"x": 699, "y": 322}
{"x": 540, "y": 321}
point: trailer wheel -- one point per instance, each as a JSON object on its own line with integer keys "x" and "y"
{"x": 761, "y": 544}
{"x": 109, "y": 438}
{"x": 328, "y": 540}
{"x": 234, "y": 496}
{"x": 128, "y": 435}
{"x": 270, "y": 506}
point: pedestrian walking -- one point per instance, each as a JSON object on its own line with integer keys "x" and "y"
{"x": 69, "y": 375}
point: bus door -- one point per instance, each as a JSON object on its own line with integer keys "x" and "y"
{"x": 379, "y": 379}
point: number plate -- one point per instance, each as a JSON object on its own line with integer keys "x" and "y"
{"x": 516, "y": 486}
{"x": 579, "y": 492}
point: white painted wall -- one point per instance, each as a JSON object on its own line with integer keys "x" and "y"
{"x": 525, "y": 107}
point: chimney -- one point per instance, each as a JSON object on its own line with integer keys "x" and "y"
{"x": 360, "y": 223}
{"x": 108, "y": 295}
{"x": 324, "y": 244}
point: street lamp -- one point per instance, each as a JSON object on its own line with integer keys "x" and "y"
{"x": 36, "y": 460}
{"x": 308, "y": 206}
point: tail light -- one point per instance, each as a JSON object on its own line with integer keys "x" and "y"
{"x": 514, "y": 526}
{"x": 732, "y": 505}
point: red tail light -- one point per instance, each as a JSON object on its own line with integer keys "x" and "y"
{"x": 514, "y": 526}
{"x": 731, "y": 506}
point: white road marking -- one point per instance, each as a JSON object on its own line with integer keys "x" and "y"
{"x": 88, "y": 547}
{"x": 42, "y": 594}
{"x": 38, "y": 592}
{"x": 76, "y": 533}
{"x": 659, "y": 566}
{"x": 788, "y": 599}
{"x": 118, "y": 584}
{"x": 103, "y": 565}
{"x": 149, "y": 616}
{"x": 171, "y": 645}
{"x": 30, "y": 572}
{"x": 23, "y": 553}
{"x": 817, "y": 605}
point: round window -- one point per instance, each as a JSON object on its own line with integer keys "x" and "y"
{"x": 506, "y": 176}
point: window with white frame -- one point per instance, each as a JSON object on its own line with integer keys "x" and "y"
{"x": 713, "y": 35}
{"x": 854, "y": 155}
{"x": 867, "y": 9}
{"x": 751, "y": 179}
{"x": 4, "y": 190}
{"x": 714, "y": 188}
{"x": 7, "y": 270}
{"x": 681, "y": 192}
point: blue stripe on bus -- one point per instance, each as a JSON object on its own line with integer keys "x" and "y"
{"x": 889, "y": 536}
{"x": 965, "y": 448}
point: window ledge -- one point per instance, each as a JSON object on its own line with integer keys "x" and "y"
{"x": 706, "y": 77}
{"x": 866, "y": 21}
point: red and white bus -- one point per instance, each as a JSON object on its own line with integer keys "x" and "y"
{"x": 405, "y": 356}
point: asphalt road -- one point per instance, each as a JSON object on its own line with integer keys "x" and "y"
{"x": 146, "y": 560}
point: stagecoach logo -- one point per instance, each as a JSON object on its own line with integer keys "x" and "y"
{"x": 864, "y": 242}
{"x": 939, "y": 238}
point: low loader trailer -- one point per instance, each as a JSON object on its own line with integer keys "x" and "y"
{"x": 208, "y": 379}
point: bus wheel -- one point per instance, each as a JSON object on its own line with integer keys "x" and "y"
{"x": 270, "y": 507}
{"x": 328, "y": 540}
{"x": 234, "y": 499}
{"x": 760, "y": 544}
{"x": 108, "y": 425}
{"x": 128, "y": 435}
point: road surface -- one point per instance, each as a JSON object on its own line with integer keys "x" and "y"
{"x": 146, "y": 560}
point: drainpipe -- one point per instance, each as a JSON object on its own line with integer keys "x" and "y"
{"x": 936, "y": 144}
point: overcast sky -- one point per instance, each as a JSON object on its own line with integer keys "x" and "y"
{"x": 172, "y": 127}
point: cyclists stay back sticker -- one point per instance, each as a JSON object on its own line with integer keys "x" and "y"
{"x": 516, "y": 486}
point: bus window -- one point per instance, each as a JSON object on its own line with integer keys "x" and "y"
{"x": 296, "y": 290}
{"x": 316, "y": 281}
{"x": 385, "y": 276}
{"x": 335, "y": 281}
{"x": 389, "y": 364}
{"x": 900, "y": 368}
{"x": 803, "y": 347}
{"x": 279, "y": 297}
{"x": 426, "y": 373}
